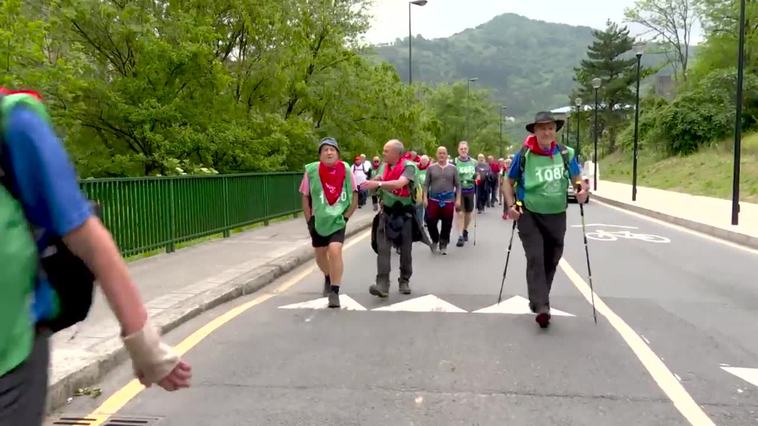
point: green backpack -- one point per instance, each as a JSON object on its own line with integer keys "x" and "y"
{"x": 71, "y": 280}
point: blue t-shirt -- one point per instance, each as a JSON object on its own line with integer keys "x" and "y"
{"x": 45, "y": 182}
{"x": 515, "y": 171}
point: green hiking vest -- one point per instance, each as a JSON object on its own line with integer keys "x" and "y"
{"x": 18, "y": 261}
{"x": 329, "y": 218}
{"x": 389, "y": 199}
{"x": 545, "y": 182}
{"x": 466, "y": 172}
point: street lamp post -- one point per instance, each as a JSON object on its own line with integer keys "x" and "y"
{"x": 738, "y": 120}
{"x": 578, "y": 103}
{"x": 468, "y": 104}
{"x": 636, "y": 126}
{"x": 410, "y": 38}
{"x": 596, "y": 82}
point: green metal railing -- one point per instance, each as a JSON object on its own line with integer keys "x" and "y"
{"x": 146, "y": 214}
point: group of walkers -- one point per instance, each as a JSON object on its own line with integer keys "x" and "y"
{"x": 414, "y": 195}
{"x": 54, "y": 247}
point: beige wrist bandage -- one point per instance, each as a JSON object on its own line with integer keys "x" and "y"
{"x": 154, "y": 359}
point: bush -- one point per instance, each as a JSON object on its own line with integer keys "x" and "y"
{"x": 705, "y": 113}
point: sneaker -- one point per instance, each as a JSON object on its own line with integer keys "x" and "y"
{"x": 405, "y": 287}
{"x": 460, "y": 242}
{"x": 465, "y": 235}
{"x": 382, "y": 291}
{"x": 334, "y": 300}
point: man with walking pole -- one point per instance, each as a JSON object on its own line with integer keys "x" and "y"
{"x": 541, "y": 172}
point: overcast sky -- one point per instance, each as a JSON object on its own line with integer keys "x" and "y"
{"x": 442, "y": 18}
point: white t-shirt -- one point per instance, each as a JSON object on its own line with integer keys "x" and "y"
{"x": 359, "y": 174}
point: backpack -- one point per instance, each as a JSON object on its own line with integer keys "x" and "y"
{"x": 71, "y": 280}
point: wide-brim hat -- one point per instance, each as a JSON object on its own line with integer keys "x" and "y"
{"x": 545, "y": 117}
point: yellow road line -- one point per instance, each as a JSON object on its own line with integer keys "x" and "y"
{"x": 120, "y": 398}
{"x": 665, "y": 379}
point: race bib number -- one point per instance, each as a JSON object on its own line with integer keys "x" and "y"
{"x": 549, "y": 173}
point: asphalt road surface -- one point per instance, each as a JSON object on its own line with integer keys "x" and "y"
{"x": 676, "y": 340}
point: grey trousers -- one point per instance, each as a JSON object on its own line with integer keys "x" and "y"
{"x": 542, "y": 237}
{"x": 23, "y": 390}
{"x": 384, "y": 247}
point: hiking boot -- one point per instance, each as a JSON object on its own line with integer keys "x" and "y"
{"x": 465, "y": 235}
{"x": 405, "y": 287}
{"x": 460, "y": 242}
{"x": 380, "y": 290}
{"x": 543, "y": 317}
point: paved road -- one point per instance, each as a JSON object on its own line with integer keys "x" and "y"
{"x": 689, "y": 299}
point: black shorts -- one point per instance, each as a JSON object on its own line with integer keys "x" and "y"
{"x": 23, "y": 390}
{"x": 467, "y": 201}
{"x": 319, "y": 241}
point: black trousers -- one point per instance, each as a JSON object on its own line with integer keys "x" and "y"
{"x": 542, "y": 236}
{"x": 23, "y": 390}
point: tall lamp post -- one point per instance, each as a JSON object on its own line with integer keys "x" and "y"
{"x": 596, "y": 83}
{"x": 578, "y": 103}
{"x": 636, "y": 125}
{"x": 738, "y": 120}
{"x": 502, "y": 142}
{"x": 410, "y": 38}
{"x": 468, "y": 104}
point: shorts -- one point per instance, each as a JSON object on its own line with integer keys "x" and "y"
{"x": 467, "y": 201}
{"x": 23, "y": 390}
{"x": 319, "y": 241}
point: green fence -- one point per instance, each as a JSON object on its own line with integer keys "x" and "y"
{"x": 145, "y": 214}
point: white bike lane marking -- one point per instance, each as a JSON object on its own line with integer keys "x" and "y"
{"x": 605, "y": 235}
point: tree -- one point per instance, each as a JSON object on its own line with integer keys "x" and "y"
{"x": 608, "y": 59}
{"x": 669, "y": 21}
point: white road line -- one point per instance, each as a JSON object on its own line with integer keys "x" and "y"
{"x": 645, "y": 339}
{"x": 680, "y": 228}
{"x": 665, "y": 379}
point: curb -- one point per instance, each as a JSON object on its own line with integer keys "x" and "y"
{"x": 112, "y": 352}
{"x": 714, "y": 231}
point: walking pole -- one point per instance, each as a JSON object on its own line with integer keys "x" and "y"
{"x": 507, "y": 258}
{"x": 587, "y": 252}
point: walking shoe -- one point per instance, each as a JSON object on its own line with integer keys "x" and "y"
{"x": 379, "y": 290}
{"x": 543, "y": 317}
{"x": 465, "y": 235}
{"x": 327, "y": 287}
{"x": 460, "y": 242}
{"x": 405, "y": 287}
{"x": 334, "y": 300}
{"x": 443, "y": 249}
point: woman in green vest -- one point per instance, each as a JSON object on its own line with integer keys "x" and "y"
{"x": 541, "y": 173}
{"x": 329, "y": 199}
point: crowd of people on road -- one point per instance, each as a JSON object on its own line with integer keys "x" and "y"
{"x": 55, "y": 248}
{"x": 417, "y": 200}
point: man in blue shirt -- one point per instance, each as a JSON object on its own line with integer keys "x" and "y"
{"x": 45, "y": 184}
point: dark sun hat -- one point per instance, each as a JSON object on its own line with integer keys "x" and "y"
{"x": 545, "y": 117}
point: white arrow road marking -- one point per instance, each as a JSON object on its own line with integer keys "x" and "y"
{"x": 346, "y": 303}
{"x": 517, "y": 305}
{"x": 428, "y": 303}
{"x": 749, "y": 375}
{"x": 605, "y": 225}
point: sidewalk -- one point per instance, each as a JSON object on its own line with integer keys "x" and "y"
{"x": 179, "y": 286}
{"x": 708, "y": 215}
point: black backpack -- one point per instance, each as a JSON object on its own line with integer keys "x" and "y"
{"x": 71, "y": 280}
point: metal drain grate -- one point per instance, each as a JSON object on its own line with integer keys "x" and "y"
{"x": 112, "y": 421}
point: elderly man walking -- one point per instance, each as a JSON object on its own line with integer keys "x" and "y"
{"x": 541, "y": 172}
{"x": 397, "y": 222}
{"x": 442, "y": 193}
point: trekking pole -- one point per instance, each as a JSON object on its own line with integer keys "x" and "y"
{"x": 475, "y": 228}
{"x": 507, "y": 258}
{"x": 589, "y": 268}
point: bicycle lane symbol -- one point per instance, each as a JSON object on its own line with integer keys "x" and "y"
{"x": 621, "y": 232}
